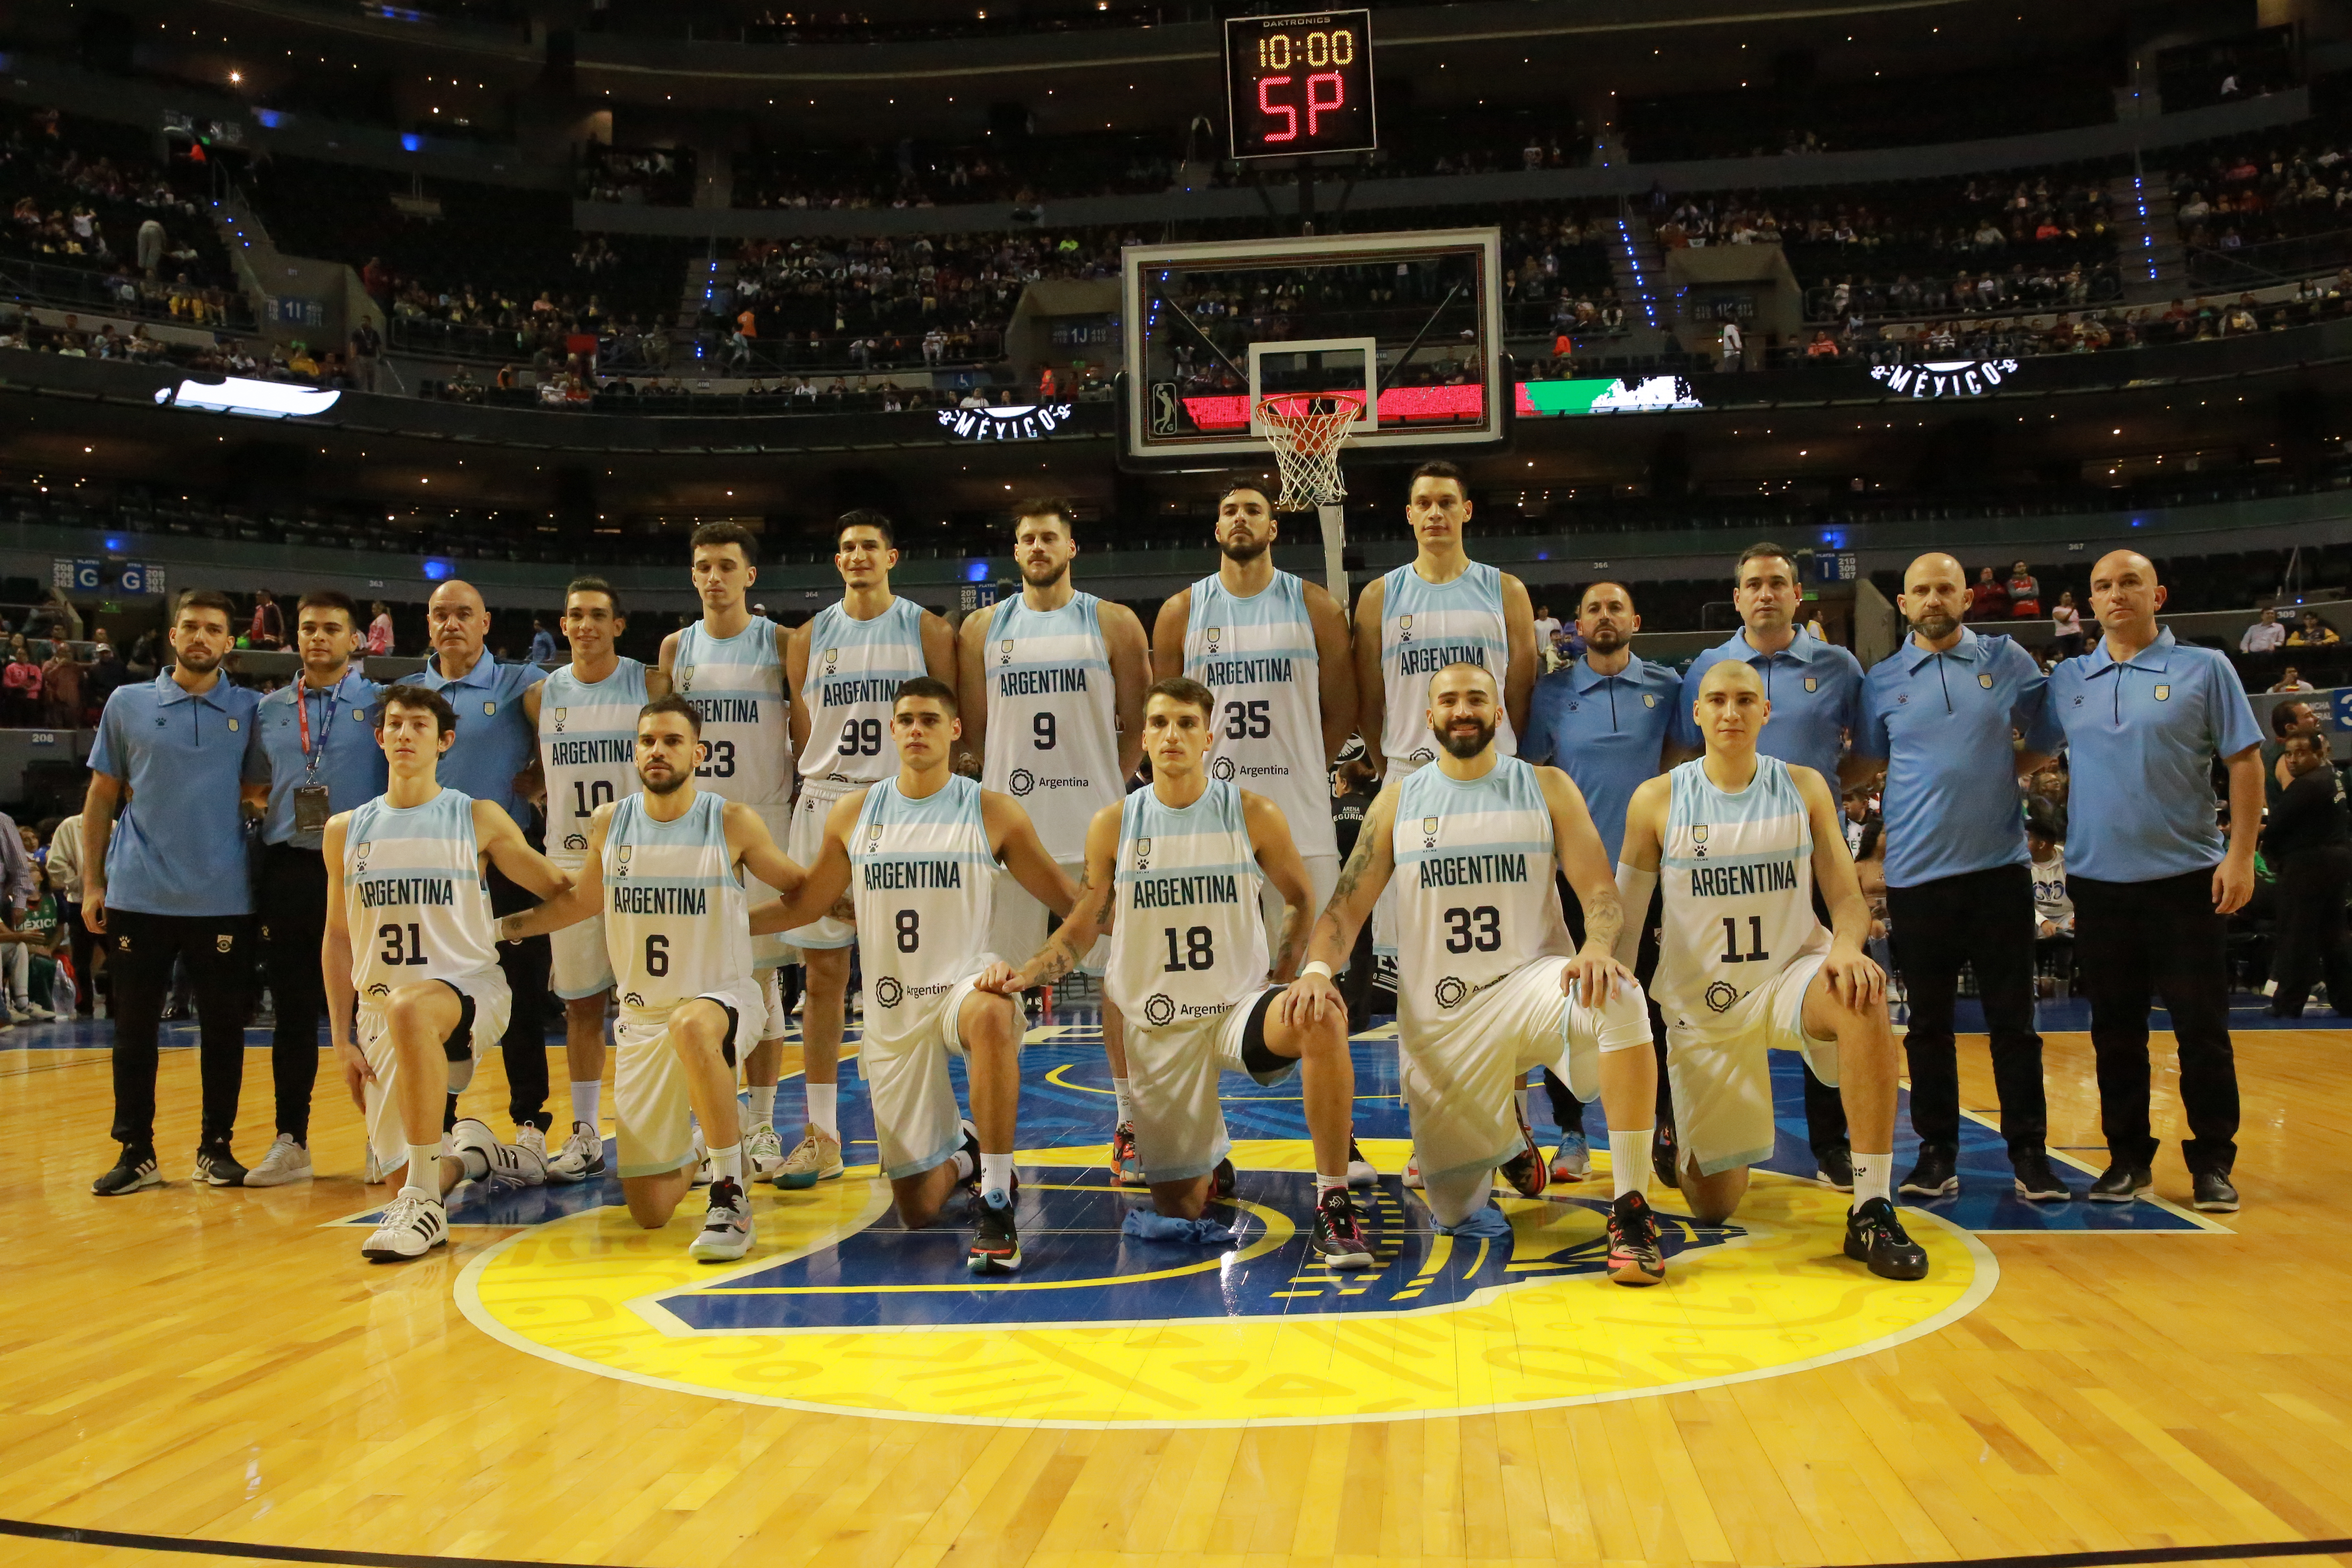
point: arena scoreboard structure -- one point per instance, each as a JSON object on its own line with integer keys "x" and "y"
{"x": 1297, "y": 85}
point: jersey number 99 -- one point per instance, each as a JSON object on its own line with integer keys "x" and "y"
{"x": 861, "y": 738}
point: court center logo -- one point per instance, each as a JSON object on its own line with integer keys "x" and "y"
{"x": 888, "y": 992}
{"x": 1159, "y": 1009}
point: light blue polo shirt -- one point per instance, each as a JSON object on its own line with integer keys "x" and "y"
{"x": 495, "y": 737}
{"x": 351, "y": 763}
{"x": 1941, "y": 723}
{"x": 179, "y": 846}
{"x": 1815, "y": 689}
{"x": 2141, "y": 737}
{"x": 1605, "y": 732}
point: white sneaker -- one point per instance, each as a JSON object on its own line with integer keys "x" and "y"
{"x": 726, "y": 1232}
{"x": 1413, "y": 1172}
{"x": 414, "y": 1226}
{"x": 763, "y": 1153}
{"x": 532, "y": 1140}
{"x": 582, "y": 1156}
{"x": 18, "y": 1013}
{"x": 1361, "y": 1173}
{"x": 286, "y": 1162}
{"x": 513, "y": 1163}
{"x": 702, "y": 1172}
{"x": 39, "y": 1013}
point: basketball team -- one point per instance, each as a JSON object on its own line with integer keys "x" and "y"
{"x": 1632, "y": 881}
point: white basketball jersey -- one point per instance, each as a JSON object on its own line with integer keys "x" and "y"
{"x": 1187, "y": 940}
{"x": 924, "y": 880}
{"x": 414, "y": 897}
{"x": 1258, "y": 654}
{"x": 855, "y": 669}
{"x": 676, "y": 925}
{"x": 1053, "y": 718}
{"x": 1475, "y": 896}
{"x": 737, "y": 684}
{"x": 1737, "y": 880}
{"x": 1425, "y": 626}
{"x": 588, "y": 751}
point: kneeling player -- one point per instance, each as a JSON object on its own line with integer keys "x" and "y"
{"x": 923, "y": 850}
{"x": 406, "y": 873}
{"x": 665, "y": 868}
{"x": 1178, "y": 862}
{"x": 1744, "y": 964}
{"x": 1489, "y": 984}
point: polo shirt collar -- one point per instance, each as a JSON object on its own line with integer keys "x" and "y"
{"x": 1802, "y": 650}
{"x": 168, "y": 690}
{"x": 1584, "y": 678}
{"x": 2154, "y": 657}
{"x": 484, "y": 673}
{"x": 300, "y": 689}
{"x": 1968, "y": 648}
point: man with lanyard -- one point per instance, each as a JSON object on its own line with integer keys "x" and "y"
{"x": 585, "y": 714}
{"x": 168, "y": 883}
{"x": 1605, "y": 721}
{"x": 313, "y": 753}
{"x": 494, "y": 756}
{"x": 2152, "y": 883}
{"x": 1815, "y": 690}
{"x": 1938, "y": 711}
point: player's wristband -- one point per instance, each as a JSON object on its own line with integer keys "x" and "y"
{"x": 1318, "y": 967}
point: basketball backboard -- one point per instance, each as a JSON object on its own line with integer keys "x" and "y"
{"x": 1412, "y": 322}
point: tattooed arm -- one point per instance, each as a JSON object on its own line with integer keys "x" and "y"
{"x": 1584, "y": 862}
{"x": 1066, "y": 947}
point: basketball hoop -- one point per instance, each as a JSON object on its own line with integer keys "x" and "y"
{"x": 1306, "y": 432}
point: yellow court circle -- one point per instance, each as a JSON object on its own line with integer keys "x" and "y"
{"x": 594, "y": 1292}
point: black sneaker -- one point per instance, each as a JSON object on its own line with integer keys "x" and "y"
{"x": 1527, "y": 1171}
{"x": 1339, "y": 1240}
{"x": 1935, "y": 1176}
{"x": 2214, "y": 1192}
{"x": 1665, "y": 1156}
{"x": 1835, "y": 1169}
{"x": 1874, "y": 1234}
{"x": 996, "y": 1245}
{"x": 215, "y": 1166}
{"x": 2121, "y": 1183}
{"x": 1633, "y": 1255}
{"x": 2036, "y": 1183}
{"x": 1225, "y": 1181}
{"x": 133, "y": 1171}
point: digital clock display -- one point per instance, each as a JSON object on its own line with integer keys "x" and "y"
{"x": 1300, "y": 84}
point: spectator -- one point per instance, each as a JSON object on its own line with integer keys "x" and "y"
{"x": 2068, "y": 623}
{"x": 2309, "y": 844}
{"x": 2265, "y": 636}
{"x": 1546, "y": 625}
{"x": 2313, "y": 633}
{"x": 2291, "y": 680}
{"x": 105, "y": 676}
{"x": 1820, "y": 348}
{"x": 29, "y": 963}
{"x": 542, "y": 641}
{"x": 2054, "y": 912}
{"x": 20, "y": 688}
{"x": 268, "y": 630}
{"x": 61, "y": 683}
{"x": 1988, "y": 600}
{"x": 379, "y": 632}
{"x": 2025, "y": 593}
{"x": 1734, "y": 346}
{"x": 62, "y": 866}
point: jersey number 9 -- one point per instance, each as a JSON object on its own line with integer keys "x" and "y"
{"x": 1041, "y": 728}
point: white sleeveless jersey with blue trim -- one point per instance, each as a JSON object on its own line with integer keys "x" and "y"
{"x": 1737, "y": 880}
{"x": 588, "y": 751}
{"x": 737, "y": 684}
{"x": 414, "y": 897}
{"x": 855, "y": 668}
{"x": 1188, "y": 939}
{"x": 1475, "y": 896}
{"x": 1053, "y": 718}
{"x": 1425, "y": 626}
{"x": 924, "y": 880}
{"x": 676, "y": 923}
{"x": 1258, "y": 654}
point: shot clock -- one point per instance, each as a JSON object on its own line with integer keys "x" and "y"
{"x": 1300, "y": 84}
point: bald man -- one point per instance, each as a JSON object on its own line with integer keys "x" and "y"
{"x": 1734, "y": 842}
{"x": 1938, "y": 713}
{"x": 2153, "y": 883}
{"x": 495, "y": 756}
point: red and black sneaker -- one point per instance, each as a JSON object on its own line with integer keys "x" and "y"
{"x": 996, "y": 1244}
{"x": 1339, "y": 1240}
{"x": 1633, "y": 1255}
{"x": 1526, "y": 1170}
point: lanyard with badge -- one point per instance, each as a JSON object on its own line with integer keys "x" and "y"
{"x": 310, "y": 811}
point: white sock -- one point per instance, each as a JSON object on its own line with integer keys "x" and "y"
{"x": 584, "y": 1100}
{"x": 1324, "y": 1183}
{"x": 763, "y": 1104}
{"x": 996, "y": 1173}
{"x": 727, "y": 1164}
{"x": 1118, "y": 1086}
{"x": 822, "y": 1098}
{"x": 1629, "y": 1161}
{"x": 475, "y": 1163}
{"x": 965, "y": 1166}
{"x": 1871, "y": 1174}
{"x": 424, "y": 1170}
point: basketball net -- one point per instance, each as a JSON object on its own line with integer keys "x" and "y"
{"x": 1306, "y": 432}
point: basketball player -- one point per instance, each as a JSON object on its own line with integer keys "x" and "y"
{"x": 1189, "y": 966}
{"x": 731, "y": 666}
{"x": 924, "y": 846}
{"x": 410, "y": 944}
{"x": 844, "y": 668}
{"x": 1053, "y": 701}
{"x": 1744, "y": 963}
{"x": 582, "y": 715}
{"x": 1487, "y": 984}
{"x": 665, "y": 870}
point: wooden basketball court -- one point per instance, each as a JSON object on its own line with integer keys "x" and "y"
{"x": 220, "y": 1373}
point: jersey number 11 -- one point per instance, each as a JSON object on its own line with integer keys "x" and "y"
{"x": 1755, "y": 953}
